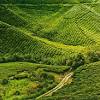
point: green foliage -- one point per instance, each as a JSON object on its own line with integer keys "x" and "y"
{"x": 47, "y": 76}
{"x": 1, "y": 98}
{"x": 93, "y": 57}
{"x": 12, "y": 19}
{"x": 17, "y": 93}
{"x": 27, "y": 80}
{"x": 21, "y": 76}
{"x": 4, "y": 81}
{"x": 39, "y": 1}
{"x": 58, "y": 33}
{"x": 85, "y": 85}
{"x": 88, "y": 1}
{"x": 24, "y": 48}
{"x": 53, "y": 22}
{"x": 62, "y": 29}
{"x": 46, "y": 1}
{"x": 76, "y": 61}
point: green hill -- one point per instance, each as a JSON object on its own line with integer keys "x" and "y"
{"x": 23, "y": 81}
{"x": 16, "y": 43}
{"x": 41, "y": 41}
{"x": 56, "y": 23}
{"x": 85, "y": 85}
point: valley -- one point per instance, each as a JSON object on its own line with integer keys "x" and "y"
{"x": 49, "y": 49}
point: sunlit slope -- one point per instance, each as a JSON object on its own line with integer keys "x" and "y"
{"x": 13, "y": 41}
{"x": 69, "y": 24}
{"x": 85, "y": 85}
{"x": 54, "y": 34}
{"x": 67, "y": 27}
{"x": 75, "y": 27}
{"x": 24, "y": 80}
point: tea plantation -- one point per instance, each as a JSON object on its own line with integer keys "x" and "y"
{"x": 42, "y": 42}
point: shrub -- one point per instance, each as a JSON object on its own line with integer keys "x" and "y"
{"x": 48, "y": 61}
{"x": 17, "y": 58}
{"x": 47, "y": 76}
{"x": 17, "y": 93}
{"x": 76, "y": 61}
{"x": 4, "y": 82}
{"x": 21, "y": 76}
{"x": 93, "y": 56}
{"x": 50, "y": 35}
{"x": 2, "y": 60}
{"x": 1, "y": 97}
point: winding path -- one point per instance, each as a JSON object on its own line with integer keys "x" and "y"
{"x": 60, "y": 85}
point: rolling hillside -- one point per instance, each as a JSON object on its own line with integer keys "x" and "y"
{"x": 85, "y": 85}
{"x": 55, "y": 22}
{"x": 24, "y": 81}
{"x": 65, "y": 36}
{"x": 41, "y": 41}
{"x": 37, "y": 50}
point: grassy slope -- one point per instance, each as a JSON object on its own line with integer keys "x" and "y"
{"x": 85, "y": 85}
{"x": 24, "y": 43}
{"x": 40, "y": 49}
{"x": 28, "y": 79}
{"x": 57, "y": 24}
{"x": 39, "y": 21}
{"x": 42, "y": 32}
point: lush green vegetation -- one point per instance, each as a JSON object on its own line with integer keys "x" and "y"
{"x": 33, "y": 22}
{"x": 55, "y": 22}
{"x": 27, "y": 80}
{"x": 85, "y": 85}
{"x": 18, "y": 46}
{"x": 42, "y": 40}
{"x": 47, "y": 1}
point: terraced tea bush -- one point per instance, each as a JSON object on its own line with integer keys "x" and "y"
{"x": 76, "y": 61}
{"x": 41, "y": 41}
{"x": 33, "y": 49}
{"x": 93, "y": 57}
{"x": 8, "y": 16}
